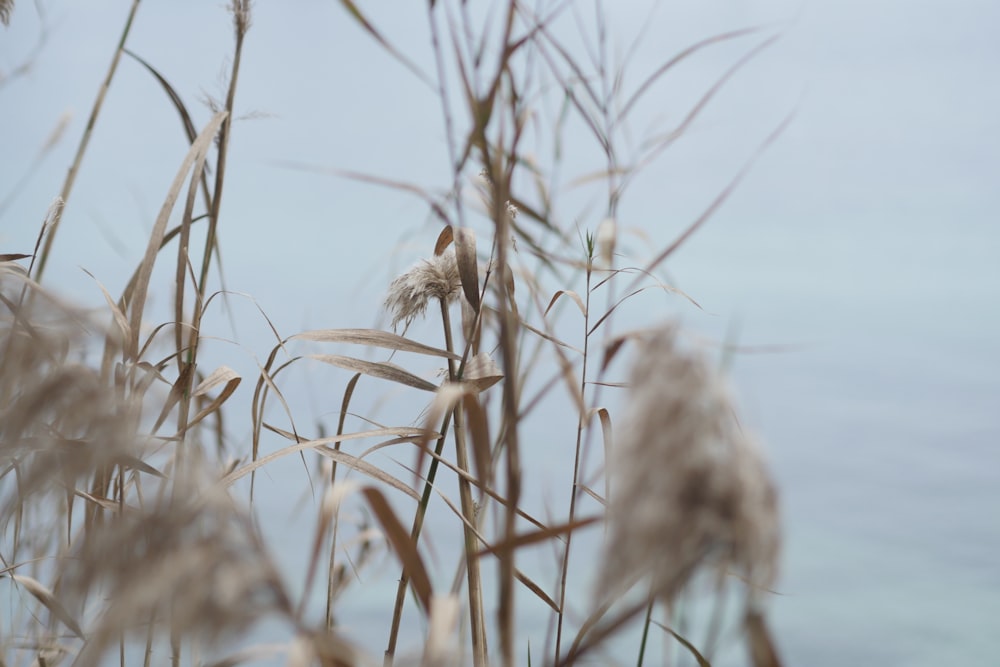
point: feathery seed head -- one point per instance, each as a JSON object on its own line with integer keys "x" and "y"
{"x": 434, "y": 278}
{"x": 689, "y": 487}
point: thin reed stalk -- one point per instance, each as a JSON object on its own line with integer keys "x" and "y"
{"x": 74, "y": 168}
{"x": 581, "y": 424}
{"x": 476, "y": 619}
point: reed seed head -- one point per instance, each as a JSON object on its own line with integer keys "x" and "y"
{"x": 690, "y": 489}
{"x": 434, "y": 278}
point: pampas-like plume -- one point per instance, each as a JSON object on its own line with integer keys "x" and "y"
{"x": 690, "y": 489}
{"x": 434, "y": 278}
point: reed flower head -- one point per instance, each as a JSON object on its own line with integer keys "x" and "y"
{"x": 690, "y": 489}
{"x": 434, "y": 278}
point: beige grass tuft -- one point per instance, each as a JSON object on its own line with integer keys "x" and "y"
{"x": 434, "y": 278}
{"x": 690, "y": 489}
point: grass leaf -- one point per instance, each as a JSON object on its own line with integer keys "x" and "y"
{"x": 380, "y": 369}
{"x": 374, "y": 337}
{"x": 44, "y": 595}
{"x": 405, "y": 548}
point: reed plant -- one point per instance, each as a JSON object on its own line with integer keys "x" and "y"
{"x": 130, "y": 529}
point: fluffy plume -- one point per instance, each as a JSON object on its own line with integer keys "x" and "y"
{"x": 60, "y": 421}
{"x": 146, "y": 559}
{"x": 434, "y": 278}
{"x": 689, "y": 487}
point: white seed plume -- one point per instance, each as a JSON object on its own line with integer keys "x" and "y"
{"x": 434, "y": 278}
{"x": 690, "y": 489}
{"x": 607, "y": 237}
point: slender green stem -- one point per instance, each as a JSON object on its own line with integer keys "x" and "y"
{"x": 581, "y": 422}
{"x": 418, "y": 517}
{"x": 645, "y": 633}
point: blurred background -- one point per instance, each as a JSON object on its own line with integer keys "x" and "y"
{"x": 856, "y": 263}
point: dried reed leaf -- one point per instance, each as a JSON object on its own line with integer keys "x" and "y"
{"x": 571, "y": 294}
{"x": 220, "y": 375}
{"x": 380, "y": 369}
{"x": 481, "y": 373}
{"x": 175, "y": 99}
{"x": 136, "y": 299}
{"x": 135, "y": 463}
{"x": 444, "y": 239}
{"x": 478, "y": 426}
{"x": 683, "y": 55}
{"x": 686, "y": 643}
{"x": 609, "y": 444}
{"x": 536, "y": 589}
{"x": 366, "y": 468}
{"x": 525, "y": 539}
{"x": 353, "y": 10}
{"x": 44, "y": 595}
{"x": 593, "y": 494}
{"x": 405, "y": 548}
{"x": 13, "y": 256}
{"x": 404, "y": 435}
{"x": 177, "y": 391}
{"x": 116, "y": 312}
{"x": 468, "y": 267}
{"x": 373, "y": 337}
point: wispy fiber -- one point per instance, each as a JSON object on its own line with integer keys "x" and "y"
{"x": 434, "y": 278}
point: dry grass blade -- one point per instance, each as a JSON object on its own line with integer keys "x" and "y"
{"x": 378, "y": 369}
{"x": 691, "y": 50}
{"x": 536, "y": 589}
{"x": 175, "y": 99}
{"x": 353, "y": 10}
{"x": 137, "y": 298}
{"x": 219, "y": 376}
{"x": 609, "y": 445}
{"x": 444, "y": 239}
{"x": 375, "y": 338}
{"x": 481, "y": 373}
{"x": 404, "y": 435}
{"x": 571, "y": 294}
{"x": 13, "y": 256}
{"x": 479, "y": 429}
{"x": 525, "y": 539}
{"x": 44, "y": 595}
{"x": 405, "y": 548}
{"x": 686, "y": 643}
{"x": 177, "y": 391}
{"x": 366, "y": 468}
{"x": 465, "y": 254}
{"x": 116, "y": 312}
